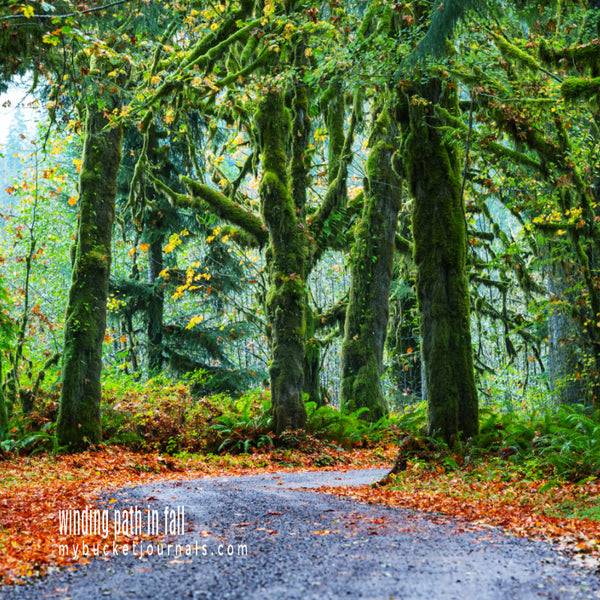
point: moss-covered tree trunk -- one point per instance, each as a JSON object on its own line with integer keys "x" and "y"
{"x": 372, "y": 263}
{"x": 564, "y": 336}
{"x": 155, "y": 310}
{"x": 79, "y": 413}
{"x": 287, "y": 259}
{"x": 312, "y": 361}
{"x": 3, "y": 405}
{"x": 439, "y": 231}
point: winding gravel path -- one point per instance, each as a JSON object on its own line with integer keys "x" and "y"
{"x": 303, "y": 545}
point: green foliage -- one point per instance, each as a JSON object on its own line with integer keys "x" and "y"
{"x": 32, "y": 433}
{"x": 413, "y": 419}
{"x": 557, "y": 444}
{"x": 244, "y": 427}
{"x": 20, "y": 441}
{"x": 7, "y": 325}
{"x": 563, "y": 442}
{"x": 348, "y": 430}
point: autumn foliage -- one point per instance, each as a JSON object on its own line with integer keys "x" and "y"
{"x": 33, "y": 491}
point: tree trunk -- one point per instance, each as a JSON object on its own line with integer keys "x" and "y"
{"x": 155, "y": 310}
{"x": 79, "y": 413}
{"x": 3, "y": 406}
{"x": 312, "y": 361}
{"x": 287, "y": 259}
{"x": 565, "y": 354}
{"x": 372, "y": 263}
{"x": 439, "y": 230}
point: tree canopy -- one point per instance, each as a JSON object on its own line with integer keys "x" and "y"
{"x": 367, "y": 204}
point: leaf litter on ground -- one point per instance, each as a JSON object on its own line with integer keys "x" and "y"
{"x": 565, "y": 514}
{"x": 33, "y": 491}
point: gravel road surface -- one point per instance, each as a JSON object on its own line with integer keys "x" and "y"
{"x": 265, "y": 537}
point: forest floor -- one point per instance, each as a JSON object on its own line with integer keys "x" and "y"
{"x": 433, "y": 533}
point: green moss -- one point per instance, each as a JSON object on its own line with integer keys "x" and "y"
{"x": 372, "y": 259}
{"x": 222, "y": 206}
{"x": 439, "y": 231}
{"x": 516, "y": 54}
{"x": 583, "y": 55}
{"x": 575, "y": 88}
{"x": 288, "y": 251}
{"x": 79, "y": 413}
{"x": 273, "y": 122}
{"x": 335, "y": 128}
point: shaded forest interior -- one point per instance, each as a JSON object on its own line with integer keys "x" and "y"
{"x": 352, "y": 219}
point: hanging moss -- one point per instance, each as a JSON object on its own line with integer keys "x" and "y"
{"x": 439, "y": 231}
{"x": 372, "y": 261}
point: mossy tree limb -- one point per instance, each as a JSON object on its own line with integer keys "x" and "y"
{"x": 322, "y": 224}
{"x": 79, "y": 413}
{"x": 372, "y": 262}
{"x": 439, "y": 231}
{"x": 288, "y": 249}
{"x": 221, "y": 206}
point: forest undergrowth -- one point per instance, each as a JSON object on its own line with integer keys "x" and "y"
{"x": 534, "y": 473}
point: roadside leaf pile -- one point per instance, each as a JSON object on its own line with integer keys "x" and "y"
{"x": 33, "y": 490}
{"x": 564, "y": 513}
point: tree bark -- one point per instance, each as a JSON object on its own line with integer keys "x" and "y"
{"x": 155, "y": 310}
{"x": 565, "y": 354}
{"x": 3, "y": 406}
{"x": 372, "y": 263}
{"x": 439, "y": 230}
{"x": 287, "y": 257}
{"x": 79, "y": 414}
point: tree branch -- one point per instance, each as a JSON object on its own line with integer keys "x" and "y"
{"x": 68, "y": 15}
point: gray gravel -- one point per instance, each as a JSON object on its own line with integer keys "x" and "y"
{"x": 360, "y": 551}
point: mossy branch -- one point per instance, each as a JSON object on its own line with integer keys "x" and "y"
{"x": 201, "y": 56}
{"x": 334, "y": 316}
{"x": 204, "y": 198}
{"x": 335, "y": 194}
{"x": 511, "y": 319}
{"x": 517, "y": 55}
{"x": 489, "y": 145}
{"x": 175, "y": 198}
{"x": 578, "y": 88}
{"x": 584, "y": 54}
{"x": 244, "y": 71}
{"x": 227, "y": 209}
{"x": 403, "y": 246}
{"x": 51, "y": 362}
